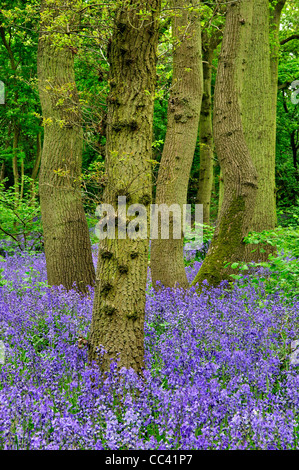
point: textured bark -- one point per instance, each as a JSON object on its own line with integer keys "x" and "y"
{"x": 240, "y": 177}
{"x": 221, "y": 193}
{"x": 118, "y": 311}
{"x": 66, "y": 236}
{"x": 259, "y": 120}
{"x": 167, "y": 260}
{"x": 206, "y": 142}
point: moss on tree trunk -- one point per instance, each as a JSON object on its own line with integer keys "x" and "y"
{"x": 240, "y": 178}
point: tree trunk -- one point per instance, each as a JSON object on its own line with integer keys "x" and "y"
{"x": 221, "y": 193}
{"x": 15, "y": 144}
{"x": 240, "y": 178}
{"x": 2, "y": 172}
{"x": 36, "y": 164}
{"x": 206, "y": 139}
{"x": 294, "y": 147}
{"x": 118, "y": 311}
{"x": 259, "y": 120}
{"x": 66, "y": 236}
{"x": 275, "y": 15}
{"x": 206, "y": 142}
{"x": 167, "y": 260}
{"x": 38, "y": 157}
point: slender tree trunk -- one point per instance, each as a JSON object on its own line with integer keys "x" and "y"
{"x": 38, "y": 157}
{"x": 240, "y": 177}
{"x": 22, "y": 180}
{"x": 259, "y": 120}
{"x": 66, "y": 236}
{"x": 294, "y": 147}
{"x": 2, "y": 172}
{"x": 206, "y": 139}
{"x": 16, "y": 128}
{"x": 275, "y": 15}
{"x": 36, "y": 163}
{"x": 118, "y": 311}
{"x": 15, "y": 163}
{"x": 167, "y": 260}
{"x": 274, "y": 21}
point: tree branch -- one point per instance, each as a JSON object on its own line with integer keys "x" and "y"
{"x": 284, "y": 41}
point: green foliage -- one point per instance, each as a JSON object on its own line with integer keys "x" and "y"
{"x": 20, "y": 222}
{"x": 281, "y": 271}
{"x": 287, "y": 148}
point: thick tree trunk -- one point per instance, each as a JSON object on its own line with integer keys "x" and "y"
{"x": 259, "y": 120}
{"x": 240, "y": 177}
{"x": 118, "y": 311}
{"x": 66, "y": 236}
{"x": 167, "y": 260}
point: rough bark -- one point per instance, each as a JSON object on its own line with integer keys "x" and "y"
{"x": 221, "y": 192}
{"x": 118, "y": 311}
{"x": 167, "y": 260}
{"x": 240, "y": 177}
{"x": 259, "y": 119}
{"x": 66, "y": 236}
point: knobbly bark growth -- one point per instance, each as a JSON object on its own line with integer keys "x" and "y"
{"x": 167, "y": 260}
{"x": 66, "y": 236}
{"x": 118, "y": 311}
{"x": 240, "y": 177}
{"x": 206, "y": 142}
